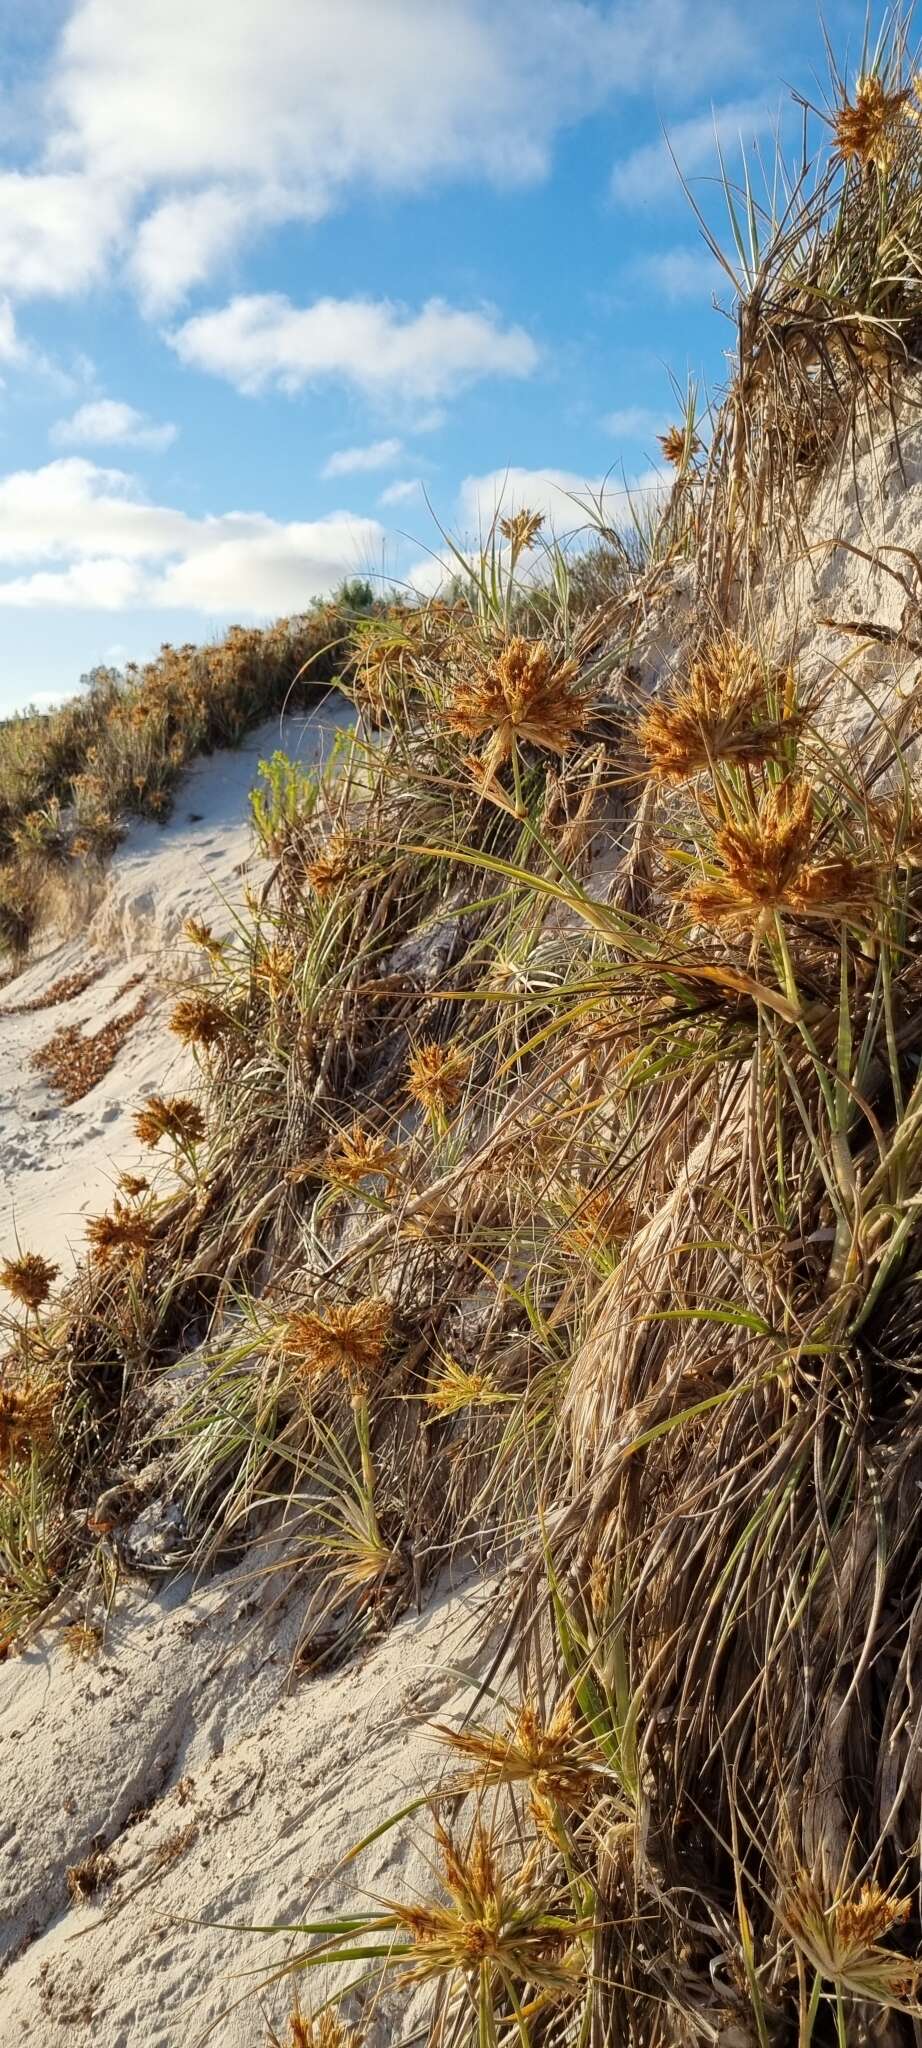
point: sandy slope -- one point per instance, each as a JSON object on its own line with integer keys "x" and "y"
{"x": 224, "y": 1792}
{"x": 58, "y": 1164}
{"x": 223, "y": 1788}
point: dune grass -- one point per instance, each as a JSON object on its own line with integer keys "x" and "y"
{"x": 574, "y": 1225}
{"x": 71, "y": 778}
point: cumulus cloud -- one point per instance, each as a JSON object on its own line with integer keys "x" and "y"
{"x": 57, "y": 232}
{"x": 108, "y": 422}
{"x": 163, "y": 163}
{"x": 352, "y": 461}
{"x": 260, "y": 340}
{"x": 12, "y": 349}
{"x": 82, "y": 537}
{"x": 649, "y": 171}
{"x": 402, "y": 489}
{"x": 569, "y": 502}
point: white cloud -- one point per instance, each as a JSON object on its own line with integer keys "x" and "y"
{"x": 172, "y": 133}
{"x": 632, "y": 422}
{"x": 109, "y": 423}
{"x": 401, "y": 490}
{"x": 680, "y": 273}
{"x": 566, "y": 499}
{"x": 650, "y": 173}
{"x": 569, "y": 503}
{"x": 12, "y": 350}
{"x": 349, "y": 461}
{"x": 57, "y": 232}
{"x": 262, "y": 340}
{"x": 82, "y": 537}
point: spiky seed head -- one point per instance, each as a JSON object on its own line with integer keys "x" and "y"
{"x": 524, "y": 693}
{"x": 350, "y": 1339}
{"x": 679, "y": 446}
{"x": 133, "y": 1184}
{"x": 766, "y": 868}
{"x": 82, "y": 1640}
{"x": 123, "y": 1232}
{"x": 869, "y": 128}
{"x": 496, "y": 1922}
{"x": 521, "y": 529}
{"x": 356, "y": 1155}
{"x": 169, "y": 1116}
{"x": 26, "y": 1415}
{"x": 844, "y": 1940}
{"x": 555, "y": 1757}
{"x": 273, "y": 970}
{"x": 333, "y": 865}
{"x": 326, "y": 2032}
{"x": 597, "y": 1219}
{"x": 454, "y": 1388}
{"x": 28, "y": 1279}
{"x": 735, "y": 706}
{"x": 438, "y": 1074}
{"x": 200, "y": 934}
{"x": 198, "y": 1020}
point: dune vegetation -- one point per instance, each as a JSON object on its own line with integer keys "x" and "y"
{"x": 71, "y": 778}
{"x": 551, "y": 1201}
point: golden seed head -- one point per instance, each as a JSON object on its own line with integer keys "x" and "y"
{"x": 555, "y": 1757}
{"x": 526, "y": 693}
{"x": 200, "y": 934}
{"x": 123, "y": 1231}
{"x": 198, "y": 1020}
{"x": 326, "y": 2032}
{"x": 735, "y": 706}
{"x": 169, "y": 1116}
{"x": 437, "y": 1075}
{"x": 273, "y": 970}
{"x": 521, "y": 529}
{"x": 766, "y": 868}
{"x": 678, "y": 446}
{"x": 334, "y": 864}
{"x": 596, "y": 1221}
{"x": 844, "y": 1940}
{"x": 26, "y": 1415}
{"x": 869, "y": 129}
{"x": 351, "y": 1340}
{"x": 133, "y": 1184}
{"x": 356, "y": 1154}
{"x": 28, "y": 1279}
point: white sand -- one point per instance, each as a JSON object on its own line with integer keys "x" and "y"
{"x": 58, "y": 1164}
{"x": 224, "y": 1789}
{"x": 248, "y": 1790}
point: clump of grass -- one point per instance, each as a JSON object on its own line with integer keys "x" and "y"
{"x": 635, "y": 1306}
{"x": 120, "y": 748}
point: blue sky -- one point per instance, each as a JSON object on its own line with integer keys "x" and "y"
{"x": 271, "y": 269}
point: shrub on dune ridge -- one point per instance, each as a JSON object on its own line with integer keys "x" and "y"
{"x": 120, "y": 748}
